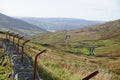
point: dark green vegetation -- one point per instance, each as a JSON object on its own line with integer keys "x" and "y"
{"x": 60, "y": 23}
{"x": 11, "y": 24}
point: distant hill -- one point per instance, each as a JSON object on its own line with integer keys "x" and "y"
{"x": 19, "y": 26}
{"x": 60, "y": 23}
{"x": 103, "y": 31}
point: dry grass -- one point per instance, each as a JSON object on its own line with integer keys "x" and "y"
{"x": 59, "y": 65}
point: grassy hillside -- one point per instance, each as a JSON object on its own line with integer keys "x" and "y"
{"x": 104, "y": 37}
{"x": 18, "y": 26}
{"x": 59, "y": 65}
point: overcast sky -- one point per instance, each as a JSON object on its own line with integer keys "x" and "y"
{"x": 104, "y": 10}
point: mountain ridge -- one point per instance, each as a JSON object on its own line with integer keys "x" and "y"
{"x": 59, "y": 23}
{"x": 19, "y": 26}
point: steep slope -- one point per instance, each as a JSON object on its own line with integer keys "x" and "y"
{"x": 104, "y": 37}
{"x": 60, "y": 23}
{"x": 16, "y": 25}
{"x": 103, "y": 31}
